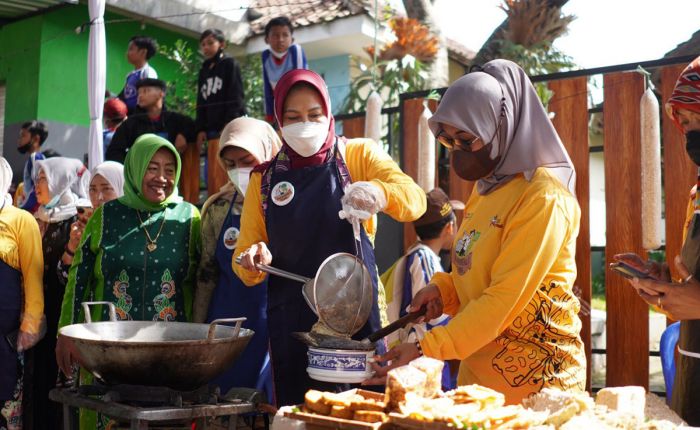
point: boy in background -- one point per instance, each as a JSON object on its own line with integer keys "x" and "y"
{"x": 282, "y": 56}
{"x": 140, "y": 50}
{"x": 220, "y": 100}
{"x": 436, "y": 231}
{"x": 32, "y": 135}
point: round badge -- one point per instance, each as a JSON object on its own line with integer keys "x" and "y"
{"x": 282, "y": 193}
{"x": 231, "y": 237}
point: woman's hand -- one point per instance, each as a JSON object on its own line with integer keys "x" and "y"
{"x": 431, "y": 298}
{"x": 256, "y": 254}
{"x": 654, "y": 269}
{"x": 399, "y": 355}
{"x": 680, "y": 301}
{"x": 66, "y": 355}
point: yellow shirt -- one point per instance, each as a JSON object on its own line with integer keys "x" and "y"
{"x": 20, "y": 248}
{"x": 366, "y": 161}
{"x": 516, "y": 325}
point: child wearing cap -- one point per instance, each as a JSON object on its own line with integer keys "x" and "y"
{"x": 435, "y": 231}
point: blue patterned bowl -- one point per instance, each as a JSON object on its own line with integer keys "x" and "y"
{"x": 339, "y": 365}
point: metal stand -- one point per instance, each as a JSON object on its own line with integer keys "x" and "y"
{"x": 141, "y": 417}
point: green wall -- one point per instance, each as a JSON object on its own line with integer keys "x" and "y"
{"x": 19, "y": 67}
{"x": 53, "y": 56}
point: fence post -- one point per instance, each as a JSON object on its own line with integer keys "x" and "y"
{"x": 570, "y": 105}
{"x": 354, "y": 127}
{"x": 679, "y": 172}
{"x": 627, "y": 331}
{"x": 411, "y": 110}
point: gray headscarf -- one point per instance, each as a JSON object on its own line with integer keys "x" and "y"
{"x": 67, "y": 179}
{"x": 526, "y": 139}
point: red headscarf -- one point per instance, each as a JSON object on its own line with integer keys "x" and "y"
{"x": 284, "y": 85}
{"x": 686, "y": 93}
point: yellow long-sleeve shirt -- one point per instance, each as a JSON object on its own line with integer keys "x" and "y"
{"x": 515, "y": 326}
{"x": 366, "y": 161}
{"x": 20, "y": 248}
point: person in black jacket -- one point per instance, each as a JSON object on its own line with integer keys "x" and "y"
{"x": 151, "y": 117}
{"x": 220, "y": 100}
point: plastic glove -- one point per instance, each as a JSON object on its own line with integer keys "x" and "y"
{"x": 27, "y": 338}
{"x": 364, "y": 196}
{"x": 360, "y": 202}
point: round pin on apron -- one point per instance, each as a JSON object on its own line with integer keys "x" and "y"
{"x": 231, "y": 237}
{"x": 282, "y": 193}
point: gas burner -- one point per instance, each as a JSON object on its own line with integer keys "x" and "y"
{"x": 143, "y": 405}
{"x": 141, "y": 395}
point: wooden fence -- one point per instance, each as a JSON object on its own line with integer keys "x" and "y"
{"x": 627, "y": 328}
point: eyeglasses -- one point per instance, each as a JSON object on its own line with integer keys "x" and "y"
{"x": 450, "y": 142}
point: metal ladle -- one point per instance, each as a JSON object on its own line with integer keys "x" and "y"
{"x": 338, "y": 294}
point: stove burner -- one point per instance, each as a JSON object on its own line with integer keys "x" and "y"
{"x": 141, "y": 395}
{"x": 144, "y": 405}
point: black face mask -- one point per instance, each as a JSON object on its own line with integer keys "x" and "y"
{"x": 692, "y": 145}
{"x": 474, "y": 165}
{"x": 24, "y": 148}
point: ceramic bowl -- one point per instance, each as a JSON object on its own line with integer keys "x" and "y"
{"x": 339, "y": 365}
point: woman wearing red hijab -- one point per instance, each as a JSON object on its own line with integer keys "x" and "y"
{"x": 681, "y": 300}
{"x": 290, "y": 214}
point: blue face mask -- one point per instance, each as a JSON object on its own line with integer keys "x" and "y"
{"x": 53, "y": 202}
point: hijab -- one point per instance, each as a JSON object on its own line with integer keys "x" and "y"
{"x": 67, "y": 179}
{"x": 524, "y": 136}
{"x": 135, "y": 166}
{"x": 255, "y": 136}
{"x": 686, "y": 93}
{"x": 113, "y": 172}
{"x": 285, "y": 84}
{"x": 5, "y": 182}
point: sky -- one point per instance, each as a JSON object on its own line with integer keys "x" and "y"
{"x": 605, "y": 32}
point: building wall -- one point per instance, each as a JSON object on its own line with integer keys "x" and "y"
{"x": 336, "y": 72}
{"x": 45, "y": 72}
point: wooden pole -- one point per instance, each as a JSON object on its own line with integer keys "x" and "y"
{"x": 570, "y": 105}
{"x": 627, "y": 315}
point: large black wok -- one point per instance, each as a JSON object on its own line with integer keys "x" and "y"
{"x": 182, "y": 356}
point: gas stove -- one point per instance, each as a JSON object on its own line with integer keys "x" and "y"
{"x": 144, "y": 407}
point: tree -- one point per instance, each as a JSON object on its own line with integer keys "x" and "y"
{"x": 422, "y": 10}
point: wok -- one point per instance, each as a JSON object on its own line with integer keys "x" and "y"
{"x": 182, "y": 356}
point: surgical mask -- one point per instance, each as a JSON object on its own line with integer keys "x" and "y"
{"x": 240, "y": 177}
{"x": 53, "y": 202}
{"x": 278, "y": 55}
{"x": 24, "y": 148}
{"x": 692, "y": 145}
{"x": 473, "y": 165}
{"x": 306, "y": 138}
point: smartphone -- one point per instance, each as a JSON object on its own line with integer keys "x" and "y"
{"x": 628, "y": 271}
{"x": 12, "y": 339}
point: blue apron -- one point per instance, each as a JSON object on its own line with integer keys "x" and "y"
{"x": 233, "y": 299}
{"x": 303, "y": 231}
{"x": 10, "y": 306}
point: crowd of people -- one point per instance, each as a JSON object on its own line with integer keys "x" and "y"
{"x": 504, "y": 314}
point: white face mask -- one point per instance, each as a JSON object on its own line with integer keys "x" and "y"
{"x": 240, "y": 177}
{"x": 278, "y": 55}
{"x": 306, "y": 138}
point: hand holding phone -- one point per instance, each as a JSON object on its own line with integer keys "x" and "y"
{"x": 629, "y": 271}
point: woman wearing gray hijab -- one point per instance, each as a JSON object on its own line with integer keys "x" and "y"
{"x": 515, "y": 324}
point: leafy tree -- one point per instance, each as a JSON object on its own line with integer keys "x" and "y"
{"x": 182, "y": 91}
{"x": 251, "y": 69}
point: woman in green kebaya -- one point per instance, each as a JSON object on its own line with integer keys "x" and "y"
{"x": 139, "y": 252}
